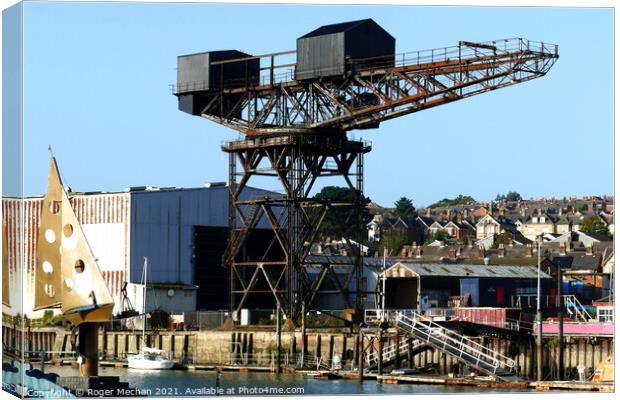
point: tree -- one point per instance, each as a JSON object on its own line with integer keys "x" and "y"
{"x": 393, "y": 240}
{"x": 504, "y": 238}
{"x": 460, "y": 199}
{"x": 440, "y": 235}
{"x": 594, "y": 224}
{"x": 510, "y": 196}
{"x": 339, "y": 220}
{"x": 404, "y": 208}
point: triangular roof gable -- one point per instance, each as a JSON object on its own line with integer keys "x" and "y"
{"x": 487, "y": 217}
{"x": 400, "y": 270}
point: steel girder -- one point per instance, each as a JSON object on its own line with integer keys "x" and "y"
{"x": 295, "y": 218}
{"x": 366, "y": 97}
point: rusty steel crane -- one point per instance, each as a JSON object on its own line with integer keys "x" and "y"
{"x": 295, "y": 117}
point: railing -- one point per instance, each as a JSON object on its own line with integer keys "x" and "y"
{"x": 284, "y": 72}
{"x": 389, "y": 352}
{"x": 459, "y": 346}
{"x": 529, "y": 301}
{"x": 570, "y": 301}
{"x": 573, "y": 307}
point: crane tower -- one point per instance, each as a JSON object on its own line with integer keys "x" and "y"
{"x": 294, "y": 117}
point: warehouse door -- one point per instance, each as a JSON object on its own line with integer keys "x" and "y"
{"x": 211, "y": 278}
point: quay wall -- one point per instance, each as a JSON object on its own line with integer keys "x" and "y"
{"x": 256, "y": 348}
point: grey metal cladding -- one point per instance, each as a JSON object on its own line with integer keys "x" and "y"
{"x": 320, "y": 56}
{"x": 194, "y": 72}
{"x": 324, "y": 52}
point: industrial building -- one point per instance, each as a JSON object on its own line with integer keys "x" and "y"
{"x": 424, "y": 286}
{"x": 182, "y": 233}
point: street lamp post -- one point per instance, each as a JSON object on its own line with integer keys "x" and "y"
{"x": 538, "y": 318}
{"x": 383, "y": 286}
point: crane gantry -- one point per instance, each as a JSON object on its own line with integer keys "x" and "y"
{"x": 295, "y": 129}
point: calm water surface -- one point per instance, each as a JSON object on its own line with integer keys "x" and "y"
{"x": 203, "y": 383}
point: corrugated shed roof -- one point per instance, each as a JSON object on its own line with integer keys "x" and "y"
{"x": 475, "y": 271}
{"x": 348, "y": 260}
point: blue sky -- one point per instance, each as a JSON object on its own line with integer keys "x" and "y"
{"x": 96, "y": 82}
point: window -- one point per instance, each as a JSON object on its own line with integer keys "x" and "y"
{"x": 605, "y": 314}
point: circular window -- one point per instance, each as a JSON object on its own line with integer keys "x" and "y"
{"x": 50, "y": 236}
{"x": 170, "y": 292}
{"x": 68, "y": 230}
{"x": 47, "y": 266}
{"x": 79, "y": 266}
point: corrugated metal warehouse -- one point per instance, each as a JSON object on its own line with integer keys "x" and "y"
{"x": 422, "y": 286}
{"x": 164, "y": 225}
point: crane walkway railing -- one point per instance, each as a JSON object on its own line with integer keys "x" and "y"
{"x": 471, "y": 353}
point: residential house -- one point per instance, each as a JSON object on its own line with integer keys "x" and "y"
{"x": 489, "y": 225}
{"x": 413, "y": 229}
{"x": 537, "y": 224}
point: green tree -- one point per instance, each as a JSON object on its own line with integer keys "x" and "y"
{"x": 440, "y": 235}
{"x": 594, "y": 224}
{"x": 460, "y": 199}
{"x": 504, "y": 238}
{"x": 510, "y": 196}
{"x": 393, "y": 240}
{"x": 404, "y": 208}
{"x": 340, "y": 220}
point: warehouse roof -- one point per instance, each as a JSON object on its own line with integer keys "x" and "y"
{"x": 473, "y": 271}
{"x": 348, "y": 260}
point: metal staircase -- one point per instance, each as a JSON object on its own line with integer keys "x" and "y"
{"x": 473, "y": 354}
{"x": 389, "y": 352}
{"x": 576, "y": 309}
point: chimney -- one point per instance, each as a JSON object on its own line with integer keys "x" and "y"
{"x": 589, "y": 250}
{"x": 452, "y": 254}
{"x": 523, "y": 211}
{"x": 418, "y": 252}
{"x": 449, "y": 214}
{"x": 560, "y": 211}
{"x": 404, "y": 253}
{"x": 465, "y": 213}
{"x": 459, "y": 218}
{"x": 501, "y": 251}
{"x": 428, "y": 212}
{"x": 530, "y": 251}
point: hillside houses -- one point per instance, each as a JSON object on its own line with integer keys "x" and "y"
{"x": 524, "y": 221}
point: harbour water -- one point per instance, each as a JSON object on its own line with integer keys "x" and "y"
{"x": 172, "y": 383}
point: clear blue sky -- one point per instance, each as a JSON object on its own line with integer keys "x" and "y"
{"x": 96, "y": 82}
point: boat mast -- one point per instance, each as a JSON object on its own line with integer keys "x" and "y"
{"x": 144, "y": 271}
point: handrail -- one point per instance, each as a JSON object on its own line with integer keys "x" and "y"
{"x": 457, "y": 347}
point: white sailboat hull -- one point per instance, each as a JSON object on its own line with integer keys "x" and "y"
{"x": 140, "y": 362}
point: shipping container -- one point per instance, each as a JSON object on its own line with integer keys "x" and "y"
{"x": 497, "y": 317}
{"x": 333, "y": 50}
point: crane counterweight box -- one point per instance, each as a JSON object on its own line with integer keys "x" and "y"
{"x": 331, "y": 51}
{"x": 196, "y": 74}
